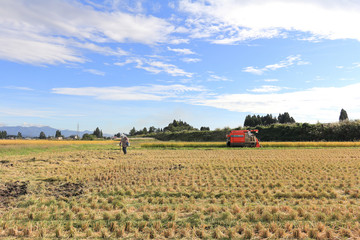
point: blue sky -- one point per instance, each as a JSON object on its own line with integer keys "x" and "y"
{"x": 118, "y": 64}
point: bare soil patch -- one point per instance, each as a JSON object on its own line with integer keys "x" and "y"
{"x": 68, "y": 190}
{"x": 11, "y": 190}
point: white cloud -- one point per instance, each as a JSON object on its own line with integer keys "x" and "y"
{"x": 171, "y": 5}
{"x": 127, "y": 61}
{"x": 289, "y": 61}
{"x": 107, "y": 51}
{"x": 246, "y": 34}
{"x": 183, "y": 51}
{"x": 36, "y": 113}
{"x": 155, "y": 66}
{"x": 271, "y": 80}
{"x": 178, "y": 41}
{"x": 19, "y": 88}
{"x": 254, "y": 70}
{"x": 266, "y": 89}
{"x": 25, "y": 112}
{"x": 319, "y": 78}
{"x": 36, "y": 51}
{"x": 314, "y": 104}
{"x": 232, "y": 21}
{"x": 26, "y": 124}
{"x": 136, "y": 93}
{"x": 191, "y": 60}
{"x": 216, "y": 78}
{"x": 45, "y": 32}
{"x": 95, "y": 72}
{"x": 347, "y": 79}
{"x": 135, "y": 6}
{"x": 356, "y": 65}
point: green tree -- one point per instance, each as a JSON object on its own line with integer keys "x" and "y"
{"x": 285, "y": 118}
{"x": 248, "y": 121}
{"x": 19, "y": 135}
{"x": 178, "y": 126}
{"x": 132, "y": 132}
{"x": 255, "y": 120}
{"x": 3, "y": 134}
{"x": 144, "y": 131}
{"x": 268, "y": 120}
{"x": 42, "y": 135}
{"x": 343, "y": 115}
{"x": 98, "y": 133}
{"x": 58, "y": 134}
{"x": 152, "y": 129}
{"x": 87, "y": 136}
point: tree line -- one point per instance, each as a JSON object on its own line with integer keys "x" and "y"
{"x": 97, "y": 133}
{"x": 174, "y": 126}
{"x": 281, "y": 128}
{"x": 256, "y": 120}
{"x": 4, "y": 135}
{"x": 292, "y": 132}
{"x": 182, "y": 126}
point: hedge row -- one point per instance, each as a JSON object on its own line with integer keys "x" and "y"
{"x": 342, "y": 131}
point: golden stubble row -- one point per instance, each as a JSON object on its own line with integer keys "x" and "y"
{"x": 193, "y": 193}
{"x": 5, "y": 142}
{"x": 263, "y": 144}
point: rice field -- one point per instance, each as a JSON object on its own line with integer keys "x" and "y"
{"x": 24, "y": 147}
{"x": 7, "y": 142}
{"x": 263, "y": 144}
{"x": 185, "y": 193}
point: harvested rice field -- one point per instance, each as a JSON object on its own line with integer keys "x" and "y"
{"x": 212, "y": 193}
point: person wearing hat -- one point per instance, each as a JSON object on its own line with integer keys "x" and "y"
{"x": 124, "y": 142}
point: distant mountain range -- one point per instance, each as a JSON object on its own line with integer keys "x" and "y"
{"x": 49, "y": 131}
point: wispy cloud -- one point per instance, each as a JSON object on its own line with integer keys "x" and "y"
{"x": 184, "y": 51}
{"x": 308, "y": 105}
{"x": 19, "y": 88}
{"x": 155, "y": 66}
{"x": 271, "y": 80}
{"x": 233, "y": 21}
{"x": 191, "y": 60}
{"x": 26, "y": 124}
{"x": 37, "y": 50}
{"x": 357, "y": 65}
{"x": 289, "y": 61}
{"x": 95, "y": 72}
{"x": 216, "y": 78}
{"x": 266, "y": 89}
{"x": 45, "y": 32}
{"x": 25, "y": 112}
{"x": 136, "y": 93}
{"x": 347, "y": 79}
{"x": 36, "y": 113}
{"x": 353, "y": 66}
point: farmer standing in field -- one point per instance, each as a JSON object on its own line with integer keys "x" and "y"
{"x": 124, "y": 142}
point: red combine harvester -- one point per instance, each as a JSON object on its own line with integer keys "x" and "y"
{"x": 242, "y": 138}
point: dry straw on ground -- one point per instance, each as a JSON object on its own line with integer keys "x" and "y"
{"x": 184, "y": 193}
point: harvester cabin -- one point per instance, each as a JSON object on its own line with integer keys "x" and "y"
{"x": 242, "y": 138}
